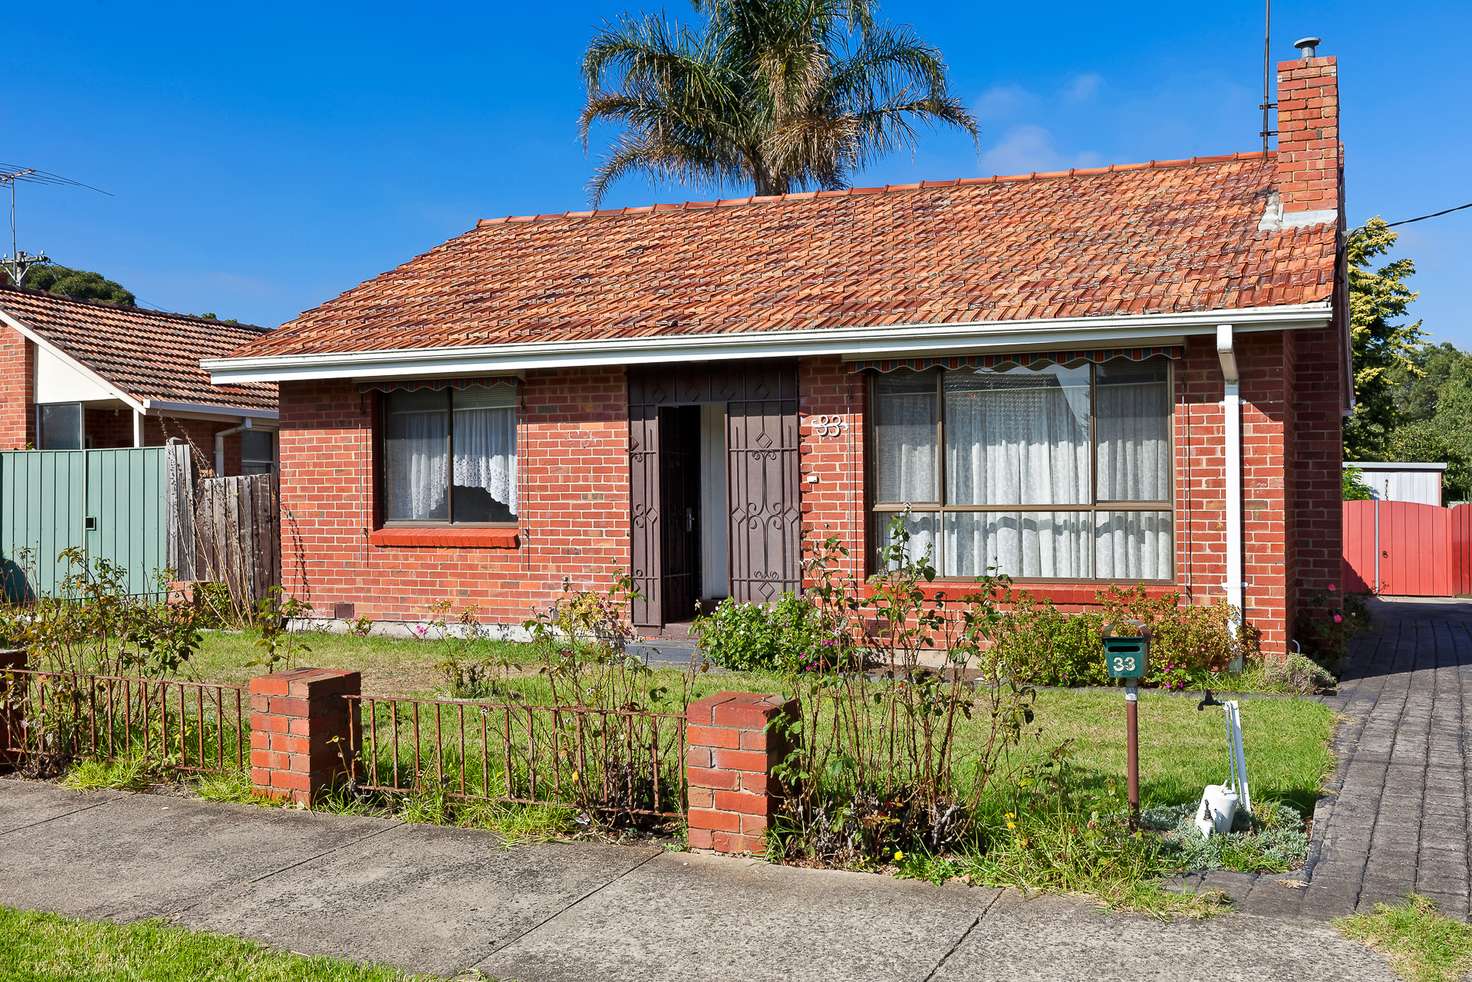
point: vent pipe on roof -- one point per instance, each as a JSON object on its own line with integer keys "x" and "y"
{"x": 1308, "y": 47}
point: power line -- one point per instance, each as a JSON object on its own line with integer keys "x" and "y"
{"x": 1434, "y": 214}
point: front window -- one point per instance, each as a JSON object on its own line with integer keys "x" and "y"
{"x": 449, "y": 456}
{"x": 1057, "y": 472}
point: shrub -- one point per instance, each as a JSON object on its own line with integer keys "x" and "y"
{"x": 1049, "y": 646}
{"x": 1187, "y": 642}
{"x": 1299, "y": 675}
{"x": 1271, "y": 840}
{"x": 787, "y": 636}
{"x": 878, "y": 765}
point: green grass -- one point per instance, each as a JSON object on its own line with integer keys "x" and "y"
{"x": 390, "y": 665}
{"x": 1421, "y": 943}
{"x": 38, "y": 947}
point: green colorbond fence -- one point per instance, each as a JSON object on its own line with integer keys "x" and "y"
{"x": 111, "y": 504}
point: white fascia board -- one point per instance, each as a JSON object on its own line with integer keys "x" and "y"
{"x": 81, "y": 369}
{"x": 886, "y": 341}
{"x": 159, "y": 407}
{"x": 1391, "y": 465}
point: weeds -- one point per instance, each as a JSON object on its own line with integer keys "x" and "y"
{"x": 1271, "y": 840}
{"x": 1421, "y": 943}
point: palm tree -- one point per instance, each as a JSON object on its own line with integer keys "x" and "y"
{"x": 783, "y": 94}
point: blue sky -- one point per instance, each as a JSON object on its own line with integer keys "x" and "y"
{"x": 263, "y": 159}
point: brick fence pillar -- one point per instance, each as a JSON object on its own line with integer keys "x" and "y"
{"x": 12, "y": 707}
{"x": 731, "y": 749}
{"x": 299, "y": 732}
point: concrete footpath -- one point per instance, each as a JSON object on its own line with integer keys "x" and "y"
{"x": 447, "y": 901}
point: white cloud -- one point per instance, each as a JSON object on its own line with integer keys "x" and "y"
{"x": 1001, "y": 101}
{"x": 1082, "y": 88}
{"x": 1029, "y": 147}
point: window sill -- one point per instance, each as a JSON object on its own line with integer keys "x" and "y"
{"x": 447, "y": 538}
{"x": 1058, "y": 591}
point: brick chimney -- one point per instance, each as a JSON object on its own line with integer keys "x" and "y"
{"x": 1310, "y": 161}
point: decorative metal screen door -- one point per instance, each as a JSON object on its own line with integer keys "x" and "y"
{"x": 763, "y": 485}
{"x": 644, "y": 513}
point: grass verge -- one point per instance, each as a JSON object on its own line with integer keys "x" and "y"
{"x": 36, "y": 947}
{"x": 1421, "y": 943}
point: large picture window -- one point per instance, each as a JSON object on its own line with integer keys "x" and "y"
{"x": 1055, "y": 472}
{"x": 449, "y": 456}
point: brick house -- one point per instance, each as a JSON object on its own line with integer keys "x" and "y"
{"x": 77, "y": 375}
{"x": 1129, "y": 374}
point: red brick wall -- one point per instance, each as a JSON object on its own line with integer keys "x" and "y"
{"x": 1314, "y": 462}
{"x": 574, "y": 491}
{"x": 17, "y": 390}
{"x": 574, "y": 505}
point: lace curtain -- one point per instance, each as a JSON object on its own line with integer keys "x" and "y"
{"x": 417, "y": 471}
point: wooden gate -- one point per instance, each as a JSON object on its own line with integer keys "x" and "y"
{"x": 231, "y": 534}
{"x": 763, "y": 488}
{"x": 1402, "y": 548}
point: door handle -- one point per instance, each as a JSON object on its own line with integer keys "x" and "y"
{"x": 689, "y": 519}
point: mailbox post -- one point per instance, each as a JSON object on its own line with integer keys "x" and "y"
{"x": 1125, "y": 658}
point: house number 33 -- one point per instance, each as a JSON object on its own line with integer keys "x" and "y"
{"x": 828, "y": 427}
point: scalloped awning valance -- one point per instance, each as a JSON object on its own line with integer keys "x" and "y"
{"x": 1026, "y": 359}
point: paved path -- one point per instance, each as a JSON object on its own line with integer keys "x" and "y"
{"x": 447, "y": 900}
{"x": 1399, "y": 820}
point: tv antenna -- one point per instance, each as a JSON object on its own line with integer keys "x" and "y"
{"x": 19, "y": 263}
{"x": 1268, "y": 105}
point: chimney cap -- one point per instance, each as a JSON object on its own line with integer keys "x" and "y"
{"x": 1308, "y": 46}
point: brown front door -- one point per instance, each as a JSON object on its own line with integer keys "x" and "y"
{"x": 679, "y": 493}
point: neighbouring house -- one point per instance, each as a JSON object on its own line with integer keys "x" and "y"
{"x": 76, "y": 375}
{"x": 1401, "y": 480}
{"x": 1132, "y": 374}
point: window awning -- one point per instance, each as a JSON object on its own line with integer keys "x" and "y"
{"x": 1025, "y": 359}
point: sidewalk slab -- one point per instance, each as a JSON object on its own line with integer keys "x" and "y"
{"x": 24, "y": 803}
{"x": 138, "y": 855}
{"x": 684, "y": 916}
{"x": 1060, "y": 939}
{"x": 417, "y": 897}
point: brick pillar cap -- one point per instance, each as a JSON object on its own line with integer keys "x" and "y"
{"x": 724, "y": 704}
{"x": 303, "y": 681}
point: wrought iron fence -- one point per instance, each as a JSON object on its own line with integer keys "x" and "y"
{"x": 50, "y": 718}
{"x": 626, "y": 762}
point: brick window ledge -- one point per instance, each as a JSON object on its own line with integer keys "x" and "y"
{"x": 1058, "y": 591}
{"x": 446, "y": 538}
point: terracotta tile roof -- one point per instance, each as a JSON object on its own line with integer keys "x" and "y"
{"x": 145, "y": 353}
{"x": 1161, "y": 237}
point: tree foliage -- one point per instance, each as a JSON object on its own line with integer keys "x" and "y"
{"x": 1433, "y": 401}
{"x": 778, "y": 94}
{"x": 1384, "y": 342}
{"x": 78, "y": 284}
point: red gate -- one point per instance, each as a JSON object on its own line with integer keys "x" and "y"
{"x": 1406, "y": 549}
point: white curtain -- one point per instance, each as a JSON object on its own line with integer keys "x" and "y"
{"x": 905, "y": 439}
{"x": 1017, "y": 437}
{"x": 417, "y": 446}
{"x": 1133, "y": 545}
{"x": 485, "y": 451}
{"x": 1134, "y": 440}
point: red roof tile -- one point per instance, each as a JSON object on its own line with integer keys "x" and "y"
{"x": 146, "y": 354}
{"x": 1163, "y": 237}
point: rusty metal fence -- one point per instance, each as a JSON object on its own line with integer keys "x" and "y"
{"x": 623, "y": 762}
{"x": 52, "y": 718}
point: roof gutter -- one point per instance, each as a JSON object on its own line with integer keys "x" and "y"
{"x": 160, "y": 407}
{"x": 878, "y": 341}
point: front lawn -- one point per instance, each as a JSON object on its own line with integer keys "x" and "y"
{"x": 1181, "y": 749}
{"x": 36, "y": 947}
